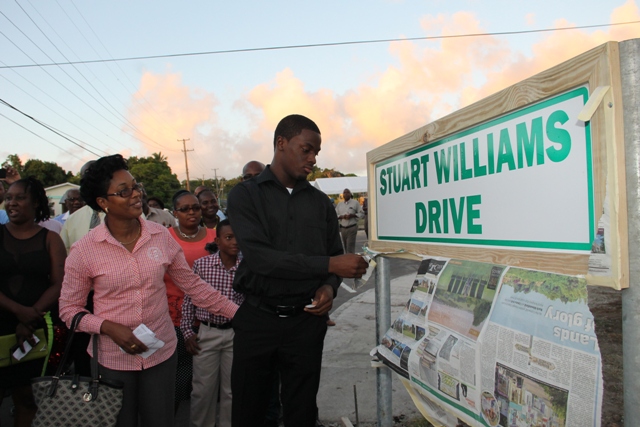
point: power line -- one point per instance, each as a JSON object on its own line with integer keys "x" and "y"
{"x": 135, "y": 88}
{"x": 313, "y": 45}
{"x": 44, "y": 139}
{"x": 114, "y": 112}
{"x": 59, "y": 82}
{"x": 76, "y": 55}
{"x": 46, "y": 126}
{"x": 56, "y": 112}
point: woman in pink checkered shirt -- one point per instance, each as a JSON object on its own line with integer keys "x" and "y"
{"x": 124, "y": 260}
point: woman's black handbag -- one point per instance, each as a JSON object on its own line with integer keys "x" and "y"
{"x": 75, "y": 401}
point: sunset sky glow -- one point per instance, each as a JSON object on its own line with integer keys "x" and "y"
{"x": 361, "y": 96}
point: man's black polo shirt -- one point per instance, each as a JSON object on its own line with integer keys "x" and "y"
{"x": 286, "y": 239}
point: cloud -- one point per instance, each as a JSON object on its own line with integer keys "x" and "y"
{"x": 165, "y": 110}
{"x": 555, "y": 48}
{"x": 427, "y": 81}
{"x": 530, "y": 19}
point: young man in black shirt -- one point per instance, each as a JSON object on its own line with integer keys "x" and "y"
{"x": 292, "y": 267}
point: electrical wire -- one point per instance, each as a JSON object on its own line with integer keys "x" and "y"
{"x": 62, "y": 105}
{"x": 314, "y": 45}
{"x": 114, "y": 111}
{"x": 44, "y": 139}
{"x": 51, "y": 128}
{"x": 149, "y": 106}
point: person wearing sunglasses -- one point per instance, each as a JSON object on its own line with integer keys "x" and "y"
{"x": 72, "y": 201}
{"x": 192, "y": 238}
{"x": 124, "y": 261}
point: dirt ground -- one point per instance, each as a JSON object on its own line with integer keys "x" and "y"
{"x": 606, "y": 307}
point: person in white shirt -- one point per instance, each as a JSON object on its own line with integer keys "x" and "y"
{"x": 79, "y": 224}
{"x": 348, "y": 213}
{"x": 83, "y": 220}
{"x": 159, "y": 216}
{"x": 72, "y": 202}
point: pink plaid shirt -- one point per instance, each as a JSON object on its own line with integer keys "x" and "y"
{"x": 129, "y": 289}
{"x": 211, "y": 269}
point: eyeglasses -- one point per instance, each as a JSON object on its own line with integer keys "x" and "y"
{"x": 185, "y": 209}
{"x": 127, "y": 192}
{"x": 74, "y": 199}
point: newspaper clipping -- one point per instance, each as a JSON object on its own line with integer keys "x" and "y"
{"x": 491, "y": 345}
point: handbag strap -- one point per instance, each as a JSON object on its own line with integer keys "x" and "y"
{"x": 67, "y": 350}
{"x": 72, "y": 330}
{"x": 95, "y": 375}
{"x": 47, "y": 319}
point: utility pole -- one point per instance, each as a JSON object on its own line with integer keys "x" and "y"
{"x": 215, "y": 174}
{"x": 186, "y": 164}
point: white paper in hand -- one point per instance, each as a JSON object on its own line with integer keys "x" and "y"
{"x": 148, "y": 338}
{"x": 19, "y": 354}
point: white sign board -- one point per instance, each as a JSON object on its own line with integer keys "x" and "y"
{"x": 520, "y": 181}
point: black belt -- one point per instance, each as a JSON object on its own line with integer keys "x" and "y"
{"x": 226, "y": 325}
{"x": 277, "y": 309}
{"x": 348, "y": 226}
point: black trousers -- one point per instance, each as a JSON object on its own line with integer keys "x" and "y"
{"x": 265, "y": 344}
{"x": 149, "y": 395}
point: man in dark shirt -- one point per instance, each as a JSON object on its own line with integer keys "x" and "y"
{"x": 292, "y": 267}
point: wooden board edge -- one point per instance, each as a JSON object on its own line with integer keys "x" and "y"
{"x": 603, "y": 58}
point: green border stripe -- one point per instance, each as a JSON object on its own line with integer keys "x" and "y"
{"x": 529, "y": 109}
{"x": 490, "y": 242}
{"x": 466, "y": 411}
{"x": 579, "y": 246}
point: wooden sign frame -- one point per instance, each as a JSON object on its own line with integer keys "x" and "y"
{"x": 599, "y": 68}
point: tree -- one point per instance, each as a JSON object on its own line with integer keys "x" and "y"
{"x": 558, "y": 400}
{"x": 323, "y": 173}
{"x": 75, "y": 179}
{"x": 156, "y": 175}
{"x": 48, "y": 173}
{"x": 14, "y": 161}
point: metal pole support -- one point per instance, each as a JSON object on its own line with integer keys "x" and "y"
{"x": 630, "y": 77}
{"x": 383, "y": 323}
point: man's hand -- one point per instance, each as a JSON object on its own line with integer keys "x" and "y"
{"x": 29, "y": 316}
{"x": 348, "y": 265}
{"x": 24, "y": 333}
{"x": 192, "y": 345}
{"x": 323, "y": 301}
{"x": 123, "y": 337}
{"x": 12, "y": 175}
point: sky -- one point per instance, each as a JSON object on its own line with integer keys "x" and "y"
{"x": 227, "y": 105}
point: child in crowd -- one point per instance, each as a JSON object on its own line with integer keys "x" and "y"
{"x": 213, "y": 346}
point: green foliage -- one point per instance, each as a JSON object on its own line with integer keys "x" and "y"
{"x": 553, "y": 286}
{"x": 481, "y": 311}
{"x": 48, "y": 173}
{"x": 75, "y": 179}
{"x": 221, "y": 186}
{"x": 558, "y": 400}
{"x": 154, "y": 172}
{"x": 14, "y": 161}
{"x": 324, "y": 173}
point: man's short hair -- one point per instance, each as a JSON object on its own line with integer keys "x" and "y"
{"x": 292, "y": 126}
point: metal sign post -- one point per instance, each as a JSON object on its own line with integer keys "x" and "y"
{"x": 383, "y": 323}
{"x": 630, "y": 77}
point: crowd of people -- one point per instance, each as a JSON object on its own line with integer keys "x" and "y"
{"x": 238, "y": 305}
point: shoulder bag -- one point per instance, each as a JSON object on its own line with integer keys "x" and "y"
{"x": 75, "y": 401}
